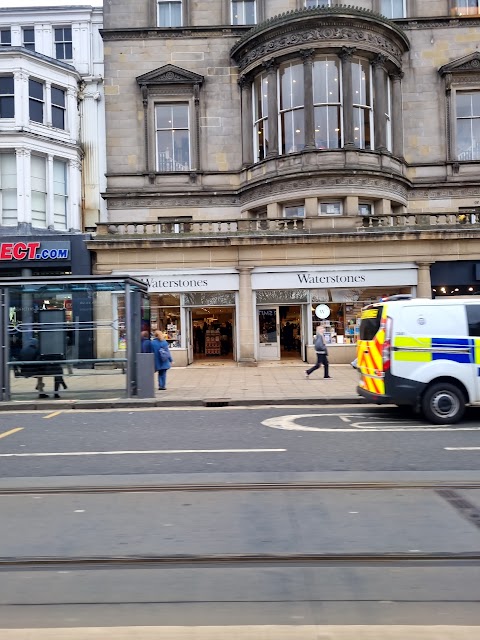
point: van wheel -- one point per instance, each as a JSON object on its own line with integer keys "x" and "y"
{"x": 443, "y": 403}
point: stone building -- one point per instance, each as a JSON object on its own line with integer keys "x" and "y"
{"x": 276, "y": 164}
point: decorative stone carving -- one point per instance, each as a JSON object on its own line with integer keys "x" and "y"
{"x": 470, "y": 63}
{"x": 169, "y": 74}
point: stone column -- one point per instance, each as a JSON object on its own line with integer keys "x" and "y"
{"x": 247, "y": 121}
{"x": 271, "y": 68}
{"x": 346, "y": 55}
{"x": 424, "y": 286}
{"x": 380, "y": 102}
{"x": 307, "y": 56}
{"x": 246, "y": 333}
{"x": 397, "y": 115}
{"x": 24, "y": 186}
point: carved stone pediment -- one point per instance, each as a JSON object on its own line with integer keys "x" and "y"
{"x": 470, "y": 63}
{"x": 169, "y": 74}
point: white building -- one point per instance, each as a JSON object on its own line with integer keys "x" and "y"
{"x": 52, "y": 124}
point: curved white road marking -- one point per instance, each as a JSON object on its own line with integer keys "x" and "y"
{"x": 290, "y": 423}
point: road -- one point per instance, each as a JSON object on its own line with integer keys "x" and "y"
{"x": 318, "y": 522}
{"x": 77, "y": 443}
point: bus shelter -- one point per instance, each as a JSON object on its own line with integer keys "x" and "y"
{"x": 60, "y": 337}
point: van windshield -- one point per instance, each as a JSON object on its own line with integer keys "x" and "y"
{"x": 370, "y": 323}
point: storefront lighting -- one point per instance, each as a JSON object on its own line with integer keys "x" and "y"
{"x": 443, "y": 290}
{"x": 470, "y": 288}
{"x": 456, "y": 289}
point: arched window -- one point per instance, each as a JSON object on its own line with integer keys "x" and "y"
{"x": 327, "y": 100}
{"x": 292, "y": 112}
{"x": 260, "y": 117}
{"x": 362, "y": 104}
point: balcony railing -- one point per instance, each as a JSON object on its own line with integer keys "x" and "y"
{"x": 289, "y": 226}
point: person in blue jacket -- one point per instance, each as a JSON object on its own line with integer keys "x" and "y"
{"x": 146, "y": 342}
{"x": 163, "y": 358}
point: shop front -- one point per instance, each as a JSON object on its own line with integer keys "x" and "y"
{"x": 196, "y": 309}
{"x": 455, "y": 278}
{"x": 291, "y": 303}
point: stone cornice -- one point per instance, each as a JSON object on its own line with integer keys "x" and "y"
{"x": 408, "y": 24}
{"x": 111, "y": 35}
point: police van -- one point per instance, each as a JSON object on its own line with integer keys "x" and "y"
{"x": 421, "y": 353}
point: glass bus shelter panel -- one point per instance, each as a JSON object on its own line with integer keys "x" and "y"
{"x": 61, "y": 341}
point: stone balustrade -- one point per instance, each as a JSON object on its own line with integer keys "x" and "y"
{"x": 320, "y": 224}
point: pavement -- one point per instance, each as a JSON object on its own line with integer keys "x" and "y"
{"x": 215, "y": 384}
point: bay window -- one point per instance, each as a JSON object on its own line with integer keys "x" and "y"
{"x": 60, "y": 194}
{"x": 36, "y": 100}
{"x": 260, "y": 117}
{"x": 362, "y": 104}
{"x": 7, "y": 100}
{"x": 39, "y": 191}
{"x": 8, "y": 189}
{"x": 292, "y": 113}
{"x": 327, "y": 101}
{"x": 58, "y": 108}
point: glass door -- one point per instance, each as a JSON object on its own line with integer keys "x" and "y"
{"x": 189, "y": 335}
{"x": 268, "y": 334}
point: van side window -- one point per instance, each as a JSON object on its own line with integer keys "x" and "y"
{"x": 473, "y": 316}
{"x": 370, "y": 323}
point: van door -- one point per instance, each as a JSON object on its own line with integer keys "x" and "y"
{"x": 370, "y": 348}
{"x": 473, "y": 319}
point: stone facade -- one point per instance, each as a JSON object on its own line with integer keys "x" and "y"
{"x": 390, "y": 184}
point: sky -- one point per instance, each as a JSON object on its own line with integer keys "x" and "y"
{"x": 8, "y": 4}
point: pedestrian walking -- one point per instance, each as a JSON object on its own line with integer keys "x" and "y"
{"x": 146, "y": 342}
{"x": 163, "y": 358}
{"x": 322, "y": 354}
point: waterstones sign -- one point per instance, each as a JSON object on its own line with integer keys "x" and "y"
{"x": 318, "y": 278}
{"x": 184, "y": 283}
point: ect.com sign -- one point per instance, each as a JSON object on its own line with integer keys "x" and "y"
{"x": 23, "y": 251}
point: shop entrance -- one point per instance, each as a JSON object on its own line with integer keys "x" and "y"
{"x": 281, "y": 336}
{"x": 213, "y": 334}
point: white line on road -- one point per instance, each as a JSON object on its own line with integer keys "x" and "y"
{"x": 289, "y": 423}
{"x": 462, "y": 448}
{"x": 136, "y": 453}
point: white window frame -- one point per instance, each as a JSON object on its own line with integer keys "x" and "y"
{"x": 28, "y": 44}
{"x": 465, "y": 11}
{"x": 368, "y": 209}
{"x": 324, "y": 206}
{"x": 60, "y": 194}
{"x": 293, "y": 210}
{"x": 331, "y": 104}
{"x": 63, "y": 42}
{"x": 59, "y": 107}
{"x": 42, "y": 102}
{"x": 188, "y": 129}
{"x": 312, "y": 4}
{"x": 11, "y": 220}
{"x": 40, "y": 220}
{"x": 471, "y": 118}
{"x": 2, "y": 31}
{"x": 242, "y": 6}
{"x": 284, "y": 113}
{"x": 9, "y": 95}
{"x": 260, "y": 121}
{"x": 392, "y": 6}
{"x": 170, "y": 4}
{"x": 364, "y": 106}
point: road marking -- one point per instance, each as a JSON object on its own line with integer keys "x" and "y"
{"x": 136, "y": 453}
{"x": 462, "y": 448}
{"x": 52, "y": 415}
{"x": 289, "y": 423}
{"x": 11, "y": 432}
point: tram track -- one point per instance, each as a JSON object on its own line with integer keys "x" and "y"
{"x": 235, "y": 486}
{"x": 243, "y": 560}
